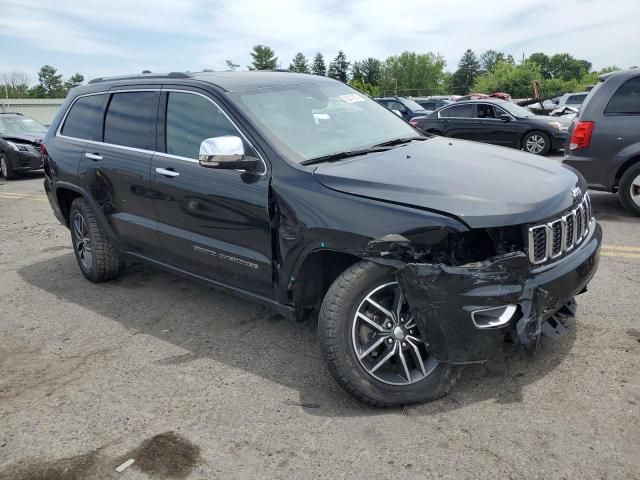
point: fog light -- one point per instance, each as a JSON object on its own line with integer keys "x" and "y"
{"x": 493, "y": 317}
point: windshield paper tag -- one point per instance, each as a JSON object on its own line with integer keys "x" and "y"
{"x": 352, "y": 98}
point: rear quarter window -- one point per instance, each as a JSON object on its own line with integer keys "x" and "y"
{"x": 84, "y": 118}
{"x": 626, "y": 100}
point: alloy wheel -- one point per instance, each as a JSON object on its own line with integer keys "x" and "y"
{"x": 82, "y": 241}
{"x": 386, "y": 340}
{"x": 3, "y": 167}
{"x": 635, "y": 190}
{"x": 535, "y": 144}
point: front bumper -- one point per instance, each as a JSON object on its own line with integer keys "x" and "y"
{"x": 25, "y": 161}
{"x": 559, "y": 140}
{"x": 442, "y": 298}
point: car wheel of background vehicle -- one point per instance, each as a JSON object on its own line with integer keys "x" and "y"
{"x": 97, "y": 257}
{"x": 537, "y": 143}
{"x": 629, "y": 189}
{"x": 5, "y": 168}
{"x": 372, "y": 345}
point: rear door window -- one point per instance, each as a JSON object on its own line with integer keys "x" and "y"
{"x": 131, "y": 120}
{"x": 84, "y": 119}
{"x": 626, "y": 100}
{"x": 457, "y": 111}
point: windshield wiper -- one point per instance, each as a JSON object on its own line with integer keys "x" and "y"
{"x": 340, "y": 155}
{"x": 400, "y": 141}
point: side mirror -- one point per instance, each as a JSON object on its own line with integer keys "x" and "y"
{"x": 226, "y": 152}
{"x": 504, "y": 117}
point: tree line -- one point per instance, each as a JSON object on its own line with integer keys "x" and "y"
{"x": 50, "y": 84}
{"x": 412, "y": 73}
{"x": 408, "y": 73}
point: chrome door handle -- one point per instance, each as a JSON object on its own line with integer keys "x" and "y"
{"x": 93, "y": 156}
{"x": 167, "y": 173}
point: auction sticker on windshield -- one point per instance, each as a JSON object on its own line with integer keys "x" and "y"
{"x": 352, "y": 98}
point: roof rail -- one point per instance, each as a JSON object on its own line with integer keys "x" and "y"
{"x": 141, "y": 76}
{"x": 11, "y": 113}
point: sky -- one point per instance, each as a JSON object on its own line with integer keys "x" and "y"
{"x": 115, "y": 37}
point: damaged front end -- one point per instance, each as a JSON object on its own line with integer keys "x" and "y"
{"x": 466, "y": 307}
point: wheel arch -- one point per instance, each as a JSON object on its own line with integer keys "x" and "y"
{"x": 530, "y": 131}
{"x": 627, "y": 164}
{"x": 66, "y": 193}
{"x": 317, "y": 272}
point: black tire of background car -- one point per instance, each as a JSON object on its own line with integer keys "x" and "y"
{"x": 547, "y": 141}
{"x": 624, "y": 189}
{"x": 7, "y": 168}
{"x": 105, "y": 257}
{"x": 334, "y": 330}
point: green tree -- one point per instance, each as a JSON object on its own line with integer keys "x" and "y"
{"x": 299, "y": 64}
{"x": 468, "y": 70}
{"x": 371, "y": 90}
{"x": 49, "y": 84}
{"x": 339, "y": 67}
{"x": 231, "y": 66}
{"x": 543, "y": 62}
{"x": 564, "y": 66}
{"x": 413, "y": 73}
{"x": 371, "y": 71}
{"x": 318, "y": 66}
{"x": 264, "y": 58}
{"x": 490, "y": 59}
{"x": 512, "y": 79}
{"x": 74, "y": 81}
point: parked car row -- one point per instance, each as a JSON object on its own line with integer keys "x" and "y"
{"x": 20, "y": 137}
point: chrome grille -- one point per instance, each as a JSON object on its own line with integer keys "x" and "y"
{"x": 553, "y": 239}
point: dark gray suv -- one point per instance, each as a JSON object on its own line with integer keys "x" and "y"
{"x": 605, "y": 138}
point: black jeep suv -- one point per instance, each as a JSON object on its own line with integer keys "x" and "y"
{"x": 421, "y": 253}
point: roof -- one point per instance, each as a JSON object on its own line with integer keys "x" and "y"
{"x": 497, "y": 101}
{"x": 236, "y": 81}
{"x": 630, "y": 72}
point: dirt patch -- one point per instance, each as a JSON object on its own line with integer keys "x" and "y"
{"x": 81, "y": 467}
{"x": 166, "y": 455}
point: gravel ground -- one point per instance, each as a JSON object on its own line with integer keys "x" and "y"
{"x": 193, "y": 383}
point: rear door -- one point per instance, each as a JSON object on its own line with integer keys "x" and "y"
{"x": 214, "y": 223}
{"x": 459, "y": 121}
{"x": 116, "y": 169}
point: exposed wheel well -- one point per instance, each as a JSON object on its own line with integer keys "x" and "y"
{"x": 65, "y": 198}
{"x": 317, "y": 272}
{"x": 625, "y": 166}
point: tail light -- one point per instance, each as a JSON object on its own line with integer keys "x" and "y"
{"x": 414, "y": 123}
{"x": 581, "y": 135}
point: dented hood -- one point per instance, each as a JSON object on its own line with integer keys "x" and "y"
{"x": 482, "y": 185}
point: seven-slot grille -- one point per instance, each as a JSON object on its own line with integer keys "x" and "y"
{"x": 551, "y": 240}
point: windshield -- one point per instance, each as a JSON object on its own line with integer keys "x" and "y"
{"x": 412, "y": 105}
{"x": 313, "y": 120}
{"x": 516, "y": 110}
{"x": 19, "y": 125}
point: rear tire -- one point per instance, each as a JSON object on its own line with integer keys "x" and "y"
{"x": 629, "y": 189}
{"x": 339, "y": 337}
{"x": 5, "y": 168}
{"x": 97, "y": 257}
{"x": 536, "y": 142}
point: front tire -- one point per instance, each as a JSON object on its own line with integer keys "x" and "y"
{"x": 537, "y": 143}
{"x": 380, "y": 359}
{"x": 5, "y": 168}
{"x": 629, "y": 189}
{"x": 97, "y": 257}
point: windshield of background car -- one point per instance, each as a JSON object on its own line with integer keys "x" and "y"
{"x": 19, "y": 125}
{"x": 412, "y": 104}
{"x": 313, "y": 120}
{"x": 516, "y": 110}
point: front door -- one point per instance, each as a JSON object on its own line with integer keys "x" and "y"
{"x": 211, "y": 222}
{"x": 497, "y": 130}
